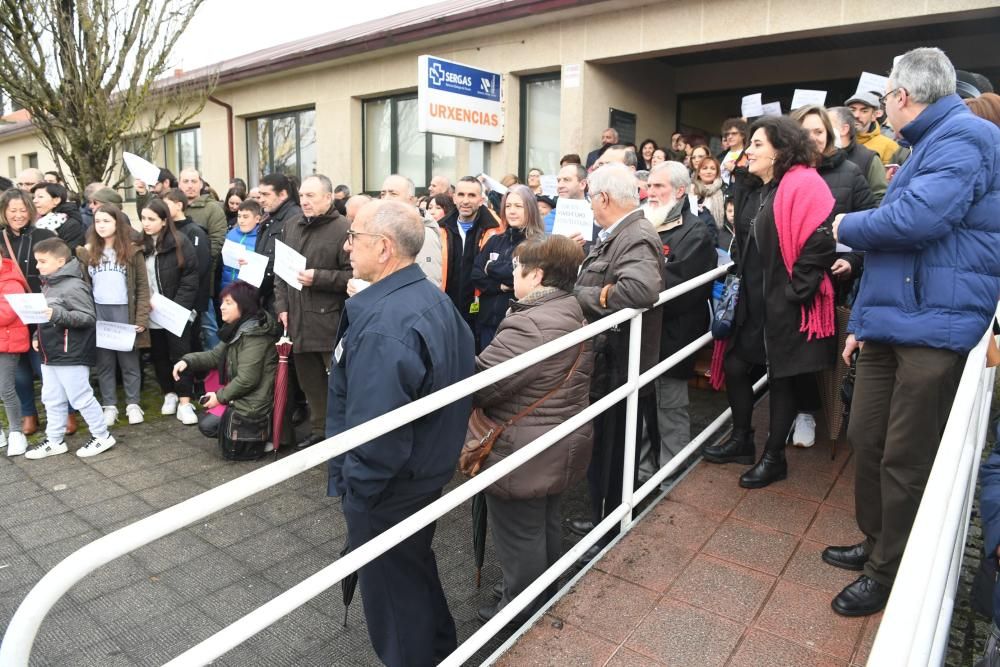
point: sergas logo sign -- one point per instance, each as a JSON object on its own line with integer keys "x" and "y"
{"x": 458, "y": 100}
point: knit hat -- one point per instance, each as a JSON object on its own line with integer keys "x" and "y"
{"x": 107, "y": 196}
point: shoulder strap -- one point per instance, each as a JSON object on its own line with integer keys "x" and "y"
{"x": 13, "y": 257}
{"x": 530, "y": 408}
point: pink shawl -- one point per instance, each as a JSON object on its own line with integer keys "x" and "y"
{"x": 804, "y": 202}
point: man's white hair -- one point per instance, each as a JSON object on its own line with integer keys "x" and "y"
{"x": 618, "y": 182}
{"x": 678, "y": 173}
{"x": 409, "y": 184}
{"x": 925, "y": 73}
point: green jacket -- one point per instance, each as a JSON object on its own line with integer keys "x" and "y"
{"x": 251, "y": 362}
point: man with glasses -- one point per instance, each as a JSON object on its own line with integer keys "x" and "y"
{"x": 866, "y": 106}
{"x": 928, "y": 294}
{"x": 400, "y": 339}
{"x": 312, "y": 314}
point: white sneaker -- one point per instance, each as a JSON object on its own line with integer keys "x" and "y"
{"x": 110, "y": 415}
{"x": 17, "y": 444}
{"x": 96, "y": 446}
{"x": 804, "y": 431}
{"x": 47, "y": 448}
{"x": 135, "y": 414}
{"x": 186, "y": 414}
{"x": 169, "y": 404}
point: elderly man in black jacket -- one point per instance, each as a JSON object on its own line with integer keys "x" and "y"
{"x": 400, "y": 339}
{"x": 623, "y": 270}
{"x": 688, "y": 252}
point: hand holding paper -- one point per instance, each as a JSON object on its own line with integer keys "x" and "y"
{"x": 30, "y": 308}
{"x": 170, "y": 315}
{"x": 574, "y": 216}
{"x": 287, "y": 264}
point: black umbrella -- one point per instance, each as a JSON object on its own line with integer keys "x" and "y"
{"x": 479, "y": 533}
{"x": 348, "y": 584}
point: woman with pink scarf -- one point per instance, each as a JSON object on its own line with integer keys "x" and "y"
{"x": 785, "y": 314}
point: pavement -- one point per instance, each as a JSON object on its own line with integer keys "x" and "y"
{"x": 718, "y": 575}
{"x": 149, "y": 606}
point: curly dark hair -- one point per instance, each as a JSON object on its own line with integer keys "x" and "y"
{"x": 791, "y": 142}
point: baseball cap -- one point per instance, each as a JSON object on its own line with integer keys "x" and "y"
{"x": 865, "y": 97}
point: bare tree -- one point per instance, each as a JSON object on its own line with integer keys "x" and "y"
{"x": 91, "y": 72}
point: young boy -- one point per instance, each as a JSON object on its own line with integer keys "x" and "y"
{"x": 68, "y": 345}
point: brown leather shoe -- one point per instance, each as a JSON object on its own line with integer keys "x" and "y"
{"x": 29, "y": 424}
{"x": 71, "y": 424}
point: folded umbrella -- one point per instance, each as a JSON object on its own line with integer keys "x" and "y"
{"x": 284, "y": 346}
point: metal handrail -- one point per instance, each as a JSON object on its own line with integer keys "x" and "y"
{"x": 914, "y": 627}
{"x": 23, "y": 628}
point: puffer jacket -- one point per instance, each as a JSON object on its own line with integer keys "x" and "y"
{"x": 203, "y": 252}
{"x": 177, "y": 283}
{"x": 272, "y": 228}
{"x": 631, "y": 260}
{"x": 874, "y": 140}
{"x": 543, "y": 316}
{"x": 137, "y": 284}
{"x": 251, "y": 361}
{"x": 932, "y": 267}
{"x": 210, "y": 216}
{"x": 14, "y": 336}
{"x": 851, "y": 192}
{"x": 70, "y": 338}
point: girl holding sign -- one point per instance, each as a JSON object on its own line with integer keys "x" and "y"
{"x": 172, "y": 271}
{"x": 116, "y": 273}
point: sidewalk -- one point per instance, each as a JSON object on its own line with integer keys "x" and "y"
{"x": 717, "y": 575}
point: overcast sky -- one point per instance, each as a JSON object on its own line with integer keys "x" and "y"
{"x": 224, "y": 29}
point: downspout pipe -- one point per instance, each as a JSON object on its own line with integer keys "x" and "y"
{"x": 229, "y": 125}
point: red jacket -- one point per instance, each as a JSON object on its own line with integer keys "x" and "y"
{"x": 14, "y": 338}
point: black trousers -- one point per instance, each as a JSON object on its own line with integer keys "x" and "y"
{"x": 409, "y": 623}
{"x": 166, "y": 350}
{"x": 607, "y": 465}
{"x": 740, "y": 376}
{"x": 902, "y": 397}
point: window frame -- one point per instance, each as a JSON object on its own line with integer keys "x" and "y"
{"x": 253, "y": 178}
{"x": 522, "y": 149}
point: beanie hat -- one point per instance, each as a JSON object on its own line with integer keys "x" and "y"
{"x": 107, "y": 196}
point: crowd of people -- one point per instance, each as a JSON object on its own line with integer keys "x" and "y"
{"x": 403, "y": 296}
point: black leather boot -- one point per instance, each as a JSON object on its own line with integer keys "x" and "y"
{"x": 771, "y": 468}
{"x": 738, "y": 449}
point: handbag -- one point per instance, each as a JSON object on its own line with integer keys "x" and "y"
{"x": 243, "y": 437}
{"x": 483, "y": 431}
{"x": 725, "y": 313}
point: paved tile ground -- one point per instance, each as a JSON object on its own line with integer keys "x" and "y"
{"x": 717, "y": 575}
{"x": 147, "y": 607}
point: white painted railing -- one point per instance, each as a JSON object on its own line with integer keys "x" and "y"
{"x": 914, "y": 627}
{"x": 19, "y": 638}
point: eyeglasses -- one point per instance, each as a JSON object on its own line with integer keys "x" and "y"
{"x": 882, "y": 99}
{"x": 351, "y": 234}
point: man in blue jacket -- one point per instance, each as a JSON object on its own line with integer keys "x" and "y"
{"x": 929, "y": 290}
{"x": 400, "y": 339}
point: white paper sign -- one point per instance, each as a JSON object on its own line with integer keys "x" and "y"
{"x": 571, "y": 75}
{"x": 169, "y": 315}
{"x": 872, "y": 83}
{"x": 804, "y": 98}
{"x": 232, "y": 253}
{"x": 752, "y": 106}
{"x": 493, "y": 184}
{"x": 287, "y": 264}
{"x": 30, "y": 308}
{"x": 550, "y": 185}
{"x": 115, "y": 336}
{"x": 253, "y": 271}
{"x": 574, "y": 215}
{"x": 771, "y": 109}
{"x": 140, "y": 168}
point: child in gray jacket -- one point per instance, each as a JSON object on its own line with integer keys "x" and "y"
{"x": 68, "y": 345}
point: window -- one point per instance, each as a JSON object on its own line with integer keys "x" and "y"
{"x": 392, "y": 144}
{"x": 12, "y": 166}
{"x": 29, "y": 161}
{"x": 283, "y": 143}
{"x": 540, "y": 107}
{"x": 182, "y": 149}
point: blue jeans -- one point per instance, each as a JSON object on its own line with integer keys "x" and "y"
{"x": 209, "y": 327}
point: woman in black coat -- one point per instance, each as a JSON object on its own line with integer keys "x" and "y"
{"x": 172, "y": 269}
{"x": 784, "y": 318}
{"x": 851, "y": 192}
{"x": 58, "y": 214}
